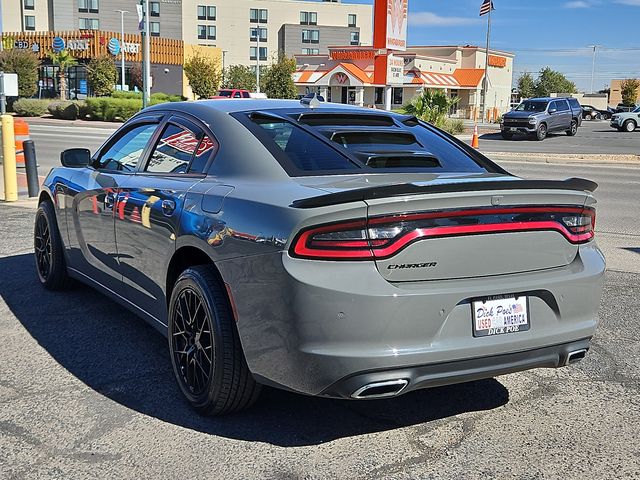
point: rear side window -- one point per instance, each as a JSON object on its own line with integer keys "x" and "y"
{"x": 360, "y": 147}
{"x": 562, "y": 105}
{"x": 574, "y": 103}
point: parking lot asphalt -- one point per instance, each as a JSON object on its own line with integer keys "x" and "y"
{"x": 86, "y": 391}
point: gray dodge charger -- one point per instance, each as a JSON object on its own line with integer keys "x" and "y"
{"x": 324, "y": 249}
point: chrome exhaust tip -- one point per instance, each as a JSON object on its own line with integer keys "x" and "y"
{"x": 389, "y": 388}
{"x": 576, "y": 356}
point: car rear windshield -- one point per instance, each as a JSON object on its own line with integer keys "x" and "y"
{"x": 530, "y": 106}
{"x": 326, "y": 145}
{"x": 224, "y": 93}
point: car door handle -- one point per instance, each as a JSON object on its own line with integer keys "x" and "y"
{"x": 168, "y": 207}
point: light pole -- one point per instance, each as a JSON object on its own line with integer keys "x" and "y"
{"x": 146, "y": 60}
{"x": 257, "y": 59}
{"x": 593, "y": 66}
{"x": 122, "y": 12}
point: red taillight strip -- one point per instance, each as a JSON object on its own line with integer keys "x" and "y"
{"x": 306, "y": 247}
{"x": 438, "y": 232}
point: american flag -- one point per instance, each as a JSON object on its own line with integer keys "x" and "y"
{"x": 486, "y": 6}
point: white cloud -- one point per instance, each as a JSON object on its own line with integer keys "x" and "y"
{"x": 433, "y": 20}
{"x": 577, "y": 4}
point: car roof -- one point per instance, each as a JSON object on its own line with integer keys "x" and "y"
{"x": 252, "y": 104}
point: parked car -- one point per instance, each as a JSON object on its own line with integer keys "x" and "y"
{"x": 539, "y": 116}
{"x": 627, "y": 121}
{"x": 325, "y": 249}
{"x": 590, "y": 112}
{"x": 232, "y": 93}
{"x": 623, "y": 108}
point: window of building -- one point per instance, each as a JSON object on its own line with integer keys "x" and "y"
{"x": 154, "y": 27}
{"x": 351, "y": 20}
{"x": 308, "y": 18}
{"x": 211, "y": 12}
{"x": 88, "y": 24}
{"x": 154, "y": 9}
{"x": 29, "y": 22}
{"x": 88, "y": 6}
{"x": 211, "y": 32}
{"x": 206, "y": 12}
{"x": 310, "y": 36}
{"x": 397, "y": 96}
{"x": 263, "y": 53}
{"x": 202, "y": 32}
{"x": 29, "y": 4}
{"x": 311, "y": 51}
{"x": 202, "y": 12}
{"x": 355, "y": 38}
{"x": 254, "y": 32}
{"x": 258, "y": 15}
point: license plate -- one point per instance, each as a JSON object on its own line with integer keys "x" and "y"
{"x": 499, "y": 315}
{"x": 513, "y": 129}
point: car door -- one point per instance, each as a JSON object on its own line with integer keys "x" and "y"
{"x": 149, "y": 206}
{"x": 564, "y": 115}
{"x": 92, "y": 193}
{"x": 554, "y": 116}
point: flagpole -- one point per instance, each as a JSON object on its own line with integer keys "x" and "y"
{"x": 485, "y": 83}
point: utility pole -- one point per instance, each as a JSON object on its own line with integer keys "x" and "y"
{"x": 257, "y": 59}
{"x": 122, "y": 12}
{"x": 593, "y": 66}
{"x": 485, "y": 83}
{"x": 146, "y": 61}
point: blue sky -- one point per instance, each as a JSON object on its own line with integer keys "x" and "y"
{"x": 555, "y": 33}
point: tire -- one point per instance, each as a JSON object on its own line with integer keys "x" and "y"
{"x": 48, "y": 250}
{"x": 629, "y": 126}
{"x": 587, "y": 116}
{"x": 541, "y": 133}
{"x": 218, "y": 383}
{"x": 573, "y": 129}
{"x": 507, "y": 135}
{"x": 597, "y": 116}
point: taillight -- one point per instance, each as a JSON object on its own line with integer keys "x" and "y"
{"x": 383, "y": 237}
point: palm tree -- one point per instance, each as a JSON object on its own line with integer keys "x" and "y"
{"x": 63, "y": 59}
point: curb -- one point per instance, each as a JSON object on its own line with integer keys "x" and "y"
{"x": 626, "y": 159}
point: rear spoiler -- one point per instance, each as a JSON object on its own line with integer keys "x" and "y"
{"x": 400, "y": 189}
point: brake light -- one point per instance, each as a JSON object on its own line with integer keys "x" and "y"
{"x": 385, "y": 236}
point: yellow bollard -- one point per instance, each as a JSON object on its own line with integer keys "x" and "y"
{"x": 9, "y": 159}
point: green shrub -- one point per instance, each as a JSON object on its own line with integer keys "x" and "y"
{"x": 67, "y": 110}
{"x": 164, "y": 97}
{"x": 121, "y": 94}
{"x": 453, "y": 126}
{"x": 30, "y": 107}
{"x": 113, "y": 109}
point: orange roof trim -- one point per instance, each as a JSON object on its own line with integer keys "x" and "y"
{"x": 469, "y": 77}
{"x": 356, "y": 72}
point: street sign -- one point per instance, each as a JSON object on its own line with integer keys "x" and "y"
{"x": 9, "y": 84}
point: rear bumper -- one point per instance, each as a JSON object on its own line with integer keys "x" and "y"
{"x": 320, "y": 328}
{"x": 447, "y": 373}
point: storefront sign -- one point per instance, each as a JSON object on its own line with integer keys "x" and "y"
{"x": 397, "y": 24}
{"x": 78, "y": 44}
{"x": 395, "y": 70}
{"x": 115, "y": 47}
{"x": 351, "y": 54}
{"x": 496, "y": 61}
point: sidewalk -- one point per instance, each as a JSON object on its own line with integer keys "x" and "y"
{"x": 48, "y": 121}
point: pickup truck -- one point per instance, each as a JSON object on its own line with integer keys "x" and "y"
{"x": 538, "y": 117}
{"x": 626, "y": 121}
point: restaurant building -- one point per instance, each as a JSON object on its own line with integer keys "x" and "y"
{"x": 348, "y": 75}
{"x": 167, "y": 58}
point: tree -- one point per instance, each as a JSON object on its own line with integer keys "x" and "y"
{"x": 278, "y": 79}
{"x": 203, "y": 75}
{"x": 25, "y": 63}
{"x": 63, "y": 59}
{"x": 135, "y": 76}
{"x": 241, "y": 77}
{"x": 549, "y": 81}
{"x": 526, "y": 86}
{"x": 630, "y": 90}
{"x": 102, "y": 75}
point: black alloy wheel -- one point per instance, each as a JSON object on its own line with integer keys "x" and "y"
{"x": 541, "y": 133}
{"x": 206, "y": 354}
{"x": 48, "y": 249}
{"x": 192, "y": 341}
{"x": 573, "y": 129}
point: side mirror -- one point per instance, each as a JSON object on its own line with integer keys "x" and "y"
{"x": 553, "y": 110}
{"x": 75, "y": 157}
